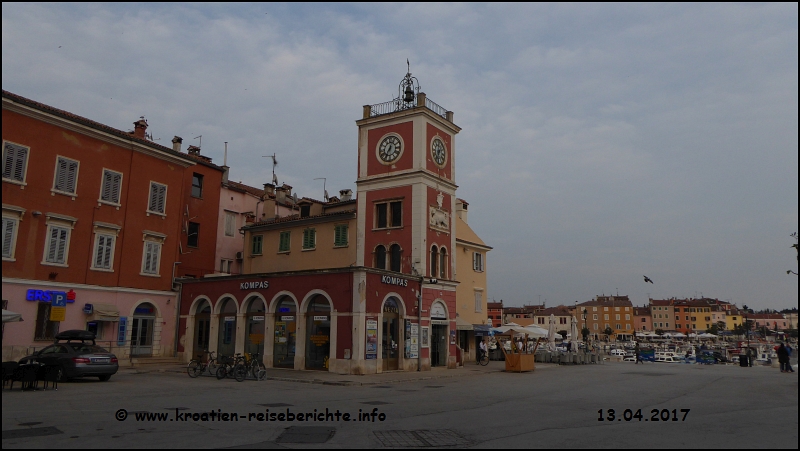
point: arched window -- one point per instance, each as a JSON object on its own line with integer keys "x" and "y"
{"x": 394, "y": 250}
{"x": 443, "y": 264}
{"x": 434, "y": 259}
{"x": 380, "y": 257}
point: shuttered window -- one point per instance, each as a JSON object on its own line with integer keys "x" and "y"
{"x": 9, "y": 229}
{"x": 102, "y": 252}
{"x": 340, "y": 235}
{"x": 309, "y": 239}
{"x": 152, "y": 254}
{"x": 158, "y": 198}
{"x": 109, "y": 192}
{"x": 478, "y": 301}
{"x": 285, "y": 241}
{"x": 230, "y": 223}
{"x": 15, "y": 159}
{"x": 257, "y": 245}
{"x": 443, "y": 265}
{"x": 477, "y": 261}
{"x": 56, "y": 251}
{"x": 66, "y": 175}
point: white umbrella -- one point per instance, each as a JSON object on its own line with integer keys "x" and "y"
{"x": 10, "y": 317}
{"x": 678, "y": 335}
{"x": 574, "y": 334}
{"x": 551, "y": 333}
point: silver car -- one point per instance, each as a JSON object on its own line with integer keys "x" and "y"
{"x": 79, "y": 356}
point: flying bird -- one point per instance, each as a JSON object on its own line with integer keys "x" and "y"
{"x": 647, "y": 279}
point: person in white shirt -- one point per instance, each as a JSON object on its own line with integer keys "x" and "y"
{"x": 483, "y": 350}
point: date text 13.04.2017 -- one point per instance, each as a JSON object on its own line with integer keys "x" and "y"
{"x": 655, "y": 415}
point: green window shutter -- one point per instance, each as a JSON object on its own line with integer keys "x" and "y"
{"x": 285, "y": 242}
{"x": 340, "y": 235}
{"x": 309, "y": 239}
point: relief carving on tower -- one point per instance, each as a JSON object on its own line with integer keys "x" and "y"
{"x": 439, "y": 218}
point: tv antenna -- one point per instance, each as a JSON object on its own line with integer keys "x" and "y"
{"x": 324, "y": 187}
{"x": 199, "y": 144}
{"x": 274, "y": 164}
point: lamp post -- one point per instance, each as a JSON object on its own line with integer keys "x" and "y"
{"x": 585, "y": 337}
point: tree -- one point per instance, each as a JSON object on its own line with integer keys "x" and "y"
{"x": 609, "y": 332}
{"x": 713, "y": 329}
{"x": 659, "y": 332}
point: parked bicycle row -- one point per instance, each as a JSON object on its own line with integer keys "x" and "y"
{"x": 238, "y": 367}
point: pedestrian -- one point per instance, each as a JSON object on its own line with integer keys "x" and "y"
{"x": 482, "y": 350}
{"x": 783, "y": 358}
{"x": 569, "y": 346}
{"x": 638, "y": 357}
{"x": 789, "y": 360}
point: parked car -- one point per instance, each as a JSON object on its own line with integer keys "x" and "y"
{"x": 629, "y": 359}
{"x": 617, "y": 352}
{"x": 77, "y": 355}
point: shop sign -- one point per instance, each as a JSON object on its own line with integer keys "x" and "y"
{"x": 88, "y": 309}
{"x": 394, "y": 281}
{"x": 287, "y": 318}
{"x": 372, "y": 339}
{"x": 230, "y": 319}
{"x": 256, "y": 339}
{"x": 123, "y": 322}
{"x": 319, "y": 340}
{"x": 440, "y": 322}
{"x": 143, "y": 311}
{"x": 320, "y": 318}
{"x": 258, "y": 318}
{"x": 46, "y": 295}
{"x": 285, "y": 309}
{"x": 262, "y": 284}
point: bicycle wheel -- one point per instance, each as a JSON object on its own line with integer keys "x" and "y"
{"x": 212, "y": 366}
{"x": 221, "y": 372}
{"x": 239, "y": 372}
{"x": 257, "y": 367}
{"x": 484, "y": 360}
{"x": 194, "y": 368}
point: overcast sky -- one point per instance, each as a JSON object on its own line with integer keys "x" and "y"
{"x": 600, "y": 143}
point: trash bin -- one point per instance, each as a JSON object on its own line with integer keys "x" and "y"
{"x": 743, "y": 361}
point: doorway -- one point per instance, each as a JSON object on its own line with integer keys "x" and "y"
{"x": 318, "y": 334}
{"x": 202, "y": 328}
{"x": 144, "y": 318}
{"x": 391, "y": 335}
{"x": 285, "y": 334}
{"x": 438, "y": 345}
{"x": 226, "y": 343}
{"x": 254, "y": 337}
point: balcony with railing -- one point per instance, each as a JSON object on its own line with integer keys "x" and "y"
{"x": 398, "y": 104}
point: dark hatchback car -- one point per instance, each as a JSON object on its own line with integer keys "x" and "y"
{"x": 77, "y": 355}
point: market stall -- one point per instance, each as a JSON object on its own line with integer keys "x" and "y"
{"x": 517, "y": 357}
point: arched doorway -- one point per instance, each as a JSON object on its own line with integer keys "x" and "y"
{"x": 144, "y": 318}
{"x": 226, "y": 344}
{"x": 202, "y": 327}
{"x": 439, "y": 342}
{"x": 285, "y": 333}
{"x": 254, "y": 338}
{"x": 318, "y": 333}
{"x": 390, "y": 341}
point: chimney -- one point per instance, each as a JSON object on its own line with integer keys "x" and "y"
{"x": 225, "y": 172}
{"x": 288, "y": 189}
{"x": 280, "y": 195}
{"x": 461, "y": 209}
{"x": 269, "y": 189}
{"x": 193, "y": 150}
{"x": 345, "y": 194}
{"x": 139, "y": 127}
{"x": 176, "y": 143}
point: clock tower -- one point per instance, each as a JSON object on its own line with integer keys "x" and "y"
{"x": 406, "y": 203}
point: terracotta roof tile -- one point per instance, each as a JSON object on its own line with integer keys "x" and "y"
{"x": 297, "y": 218}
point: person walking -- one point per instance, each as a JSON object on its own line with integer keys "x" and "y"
{"x": 638, "y": 357}
{"x": 789, "y": 359}
{"x": 783, "y": 358}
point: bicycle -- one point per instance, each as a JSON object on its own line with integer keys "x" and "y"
{"x": 197, "y": 367}
{"x": 226, "y": 366}
{"x": 250, "y": 364}
{"x": 482, "y": 358}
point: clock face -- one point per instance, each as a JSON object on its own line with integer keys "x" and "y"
{"x": 438, "y": 152}
{"x": 389, "y": 149}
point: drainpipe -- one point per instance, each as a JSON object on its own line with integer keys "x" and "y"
{"x": 419, "y": 327}
{"x": 177, "y": 309}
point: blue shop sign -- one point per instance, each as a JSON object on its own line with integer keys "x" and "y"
{"x": 47, "y": 296}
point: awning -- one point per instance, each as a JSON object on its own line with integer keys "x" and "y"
{"x": 463, "y": 325}
{"x": 482, "y": 330}
{"x": 9, "y": 317}
{"x": 104, "y": 312}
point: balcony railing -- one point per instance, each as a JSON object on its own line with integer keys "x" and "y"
{"x": 393, "y": 106}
